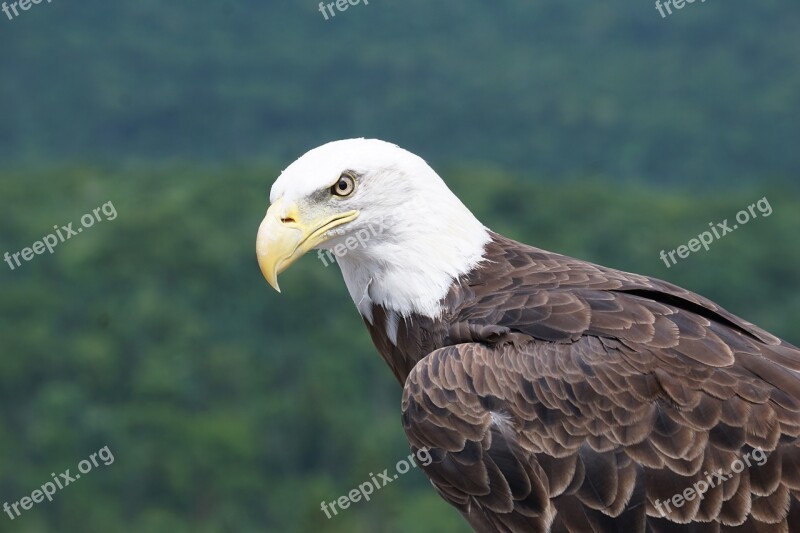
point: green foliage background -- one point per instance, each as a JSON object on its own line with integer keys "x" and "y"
{"x": 596, "y": 130}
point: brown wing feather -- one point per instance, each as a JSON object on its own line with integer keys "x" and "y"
{"x": 573, "y": 397}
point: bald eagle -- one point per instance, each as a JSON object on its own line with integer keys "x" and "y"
{"x": 553, "y": 394}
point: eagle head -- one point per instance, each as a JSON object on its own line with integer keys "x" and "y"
{"x": 399, "y": 235}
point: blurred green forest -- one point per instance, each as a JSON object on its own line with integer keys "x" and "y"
{"x": 710, "y": 95}
{"x": 229, "y": 407}
{"x": 594, "y": 129}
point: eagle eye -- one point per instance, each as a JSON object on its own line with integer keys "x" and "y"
{"x": 345, "y": 186}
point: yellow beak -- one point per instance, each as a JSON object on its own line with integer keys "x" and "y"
{"x": 284, "y": 237}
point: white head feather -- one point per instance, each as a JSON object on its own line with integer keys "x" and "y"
{"x": 416, "y": 235}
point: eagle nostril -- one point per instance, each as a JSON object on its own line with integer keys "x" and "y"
{"x": 287, "y": 220}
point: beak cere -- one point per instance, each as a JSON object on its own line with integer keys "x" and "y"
{"x": 284, "y": 237}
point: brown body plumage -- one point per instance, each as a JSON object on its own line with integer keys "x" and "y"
{"x": 555, "y": 392}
